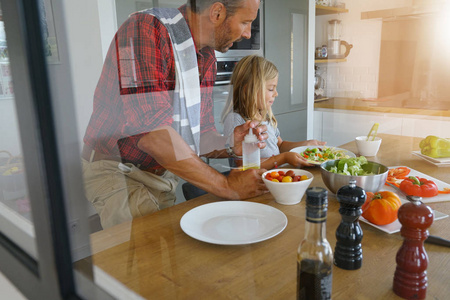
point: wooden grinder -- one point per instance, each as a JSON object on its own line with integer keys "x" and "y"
{"x": 410, "y": 278}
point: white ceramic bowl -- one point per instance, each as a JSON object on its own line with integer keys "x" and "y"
{"x": 367, "y": 148}
{"x": 288, "y": 193}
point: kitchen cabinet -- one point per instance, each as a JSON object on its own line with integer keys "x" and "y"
{"x": 286, "y": 51}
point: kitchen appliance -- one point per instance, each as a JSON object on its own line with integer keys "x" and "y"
{"x": 335, "y": 41}
{"x": 319, "y": 85}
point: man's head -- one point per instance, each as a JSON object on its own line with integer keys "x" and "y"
{"x": 231, "y": 20}
{"x": 231, "y": 6}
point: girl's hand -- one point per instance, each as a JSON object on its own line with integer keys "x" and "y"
{"x": 313, "y": 143}
{"x": 295, "y": 159}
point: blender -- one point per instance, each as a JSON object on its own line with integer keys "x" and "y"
{"x": 335, "y": 40}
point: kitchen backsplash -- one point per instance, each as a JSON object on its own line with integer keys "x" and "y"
{"x": 351, "y": 81}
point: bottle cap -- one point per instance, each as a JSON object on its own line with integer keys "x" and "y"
{"x": 316, "y": 204}
{"x": 316, "y": 196}
{"x": 250, "y": 137}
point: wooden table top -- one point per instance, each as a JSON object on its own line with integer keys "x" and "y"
{"x": 153, "y": 257}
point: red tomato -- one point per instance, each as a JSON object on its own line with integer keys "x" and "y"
{"x": 297, "y": 178}
{"x": 290, "y": 173}
{"x": 381, "y": 208}
{"x": 281, "y": 173}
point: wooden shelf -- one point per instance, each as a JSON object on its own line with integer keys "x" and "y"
{"x": 328, "y": 10}
{"x": 400, "y": 12}
{"x": 332, "y": 60}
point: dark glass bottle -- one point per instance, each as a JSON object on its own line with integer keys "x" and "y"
{"x": 314, "y": 257}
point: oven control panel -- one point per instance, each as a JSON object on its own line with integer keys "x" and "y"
{"x": 225, "y": 69}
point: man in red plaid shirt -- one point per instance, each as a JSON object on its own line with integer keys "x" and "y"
{"x": 133, "y": 156}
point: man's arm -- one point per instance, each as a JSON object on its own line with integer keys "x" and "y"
{"x": 170, "y": 150}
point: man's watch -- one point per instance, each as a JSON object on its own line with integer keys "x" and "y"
{"x": 230, "y": 151}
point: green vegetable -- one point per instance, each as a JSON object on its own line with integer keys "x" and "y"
{"x": 351, "y": 166}
{"x": 322, "y": 154}
{"x": 434, "y": 146}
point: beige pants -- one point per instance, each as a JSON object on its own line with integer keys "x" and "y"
{"x": 120, "y": 192}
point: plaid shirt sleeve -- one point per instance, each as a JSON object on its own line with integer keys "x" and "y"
{"x": 133, "y": 96}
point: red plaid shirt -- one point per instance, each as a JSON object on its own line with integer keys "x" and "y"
{"x": 133, "y": 95}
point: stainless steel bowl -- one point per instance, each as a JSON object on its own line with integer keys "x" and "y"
{"x": 370, "y": 183}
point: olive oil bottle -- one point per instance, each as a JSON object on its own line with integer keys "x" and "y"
{"x": 314, "y": 257}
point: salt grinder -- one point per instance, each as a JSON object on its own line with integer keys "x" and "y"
{"x": 410, "y": 278}
{"x": 348, "y": 252}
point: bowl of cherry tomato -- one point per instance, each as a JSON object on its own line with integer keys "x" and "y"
{"x": 287, "y": 186}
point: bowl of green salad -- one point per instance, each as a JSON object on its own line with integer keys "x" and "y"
{"x": 369, "y": 175}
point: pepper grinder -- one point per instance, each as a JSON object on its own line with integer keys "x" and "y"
{"x": 348, "y": 251}
{"x": 410, "y": 278}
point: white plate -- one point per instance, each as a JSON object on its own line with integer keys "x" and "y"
{"x": 440, "y": 184}
{"x": 439, "y": 162}
{"x": 233, "y": 222}
{"x": 303, "y": 148}
{"x": 396, "y": 226}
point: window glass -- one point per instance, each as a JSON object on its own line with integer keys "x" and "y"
{"x": 15, "y": 210}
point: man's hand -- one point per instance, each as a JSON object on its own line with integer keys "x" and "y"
{"x": 241, "y": 131}
{"x": 170, "y": 150}
{"x": 246, "y": 184}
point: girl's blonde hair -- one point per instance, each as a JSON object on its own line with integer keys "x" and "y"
{"x": 248, "y": 88}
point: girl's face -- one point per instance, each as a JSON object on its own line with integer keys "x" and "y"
{"x": 271, "y": 92}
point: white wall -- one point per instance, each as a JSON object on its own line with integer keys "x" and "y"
{"x": 358, "y": 77}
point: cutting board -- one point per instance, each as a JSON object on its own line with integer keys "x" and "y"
{"x": 441, "y": 185}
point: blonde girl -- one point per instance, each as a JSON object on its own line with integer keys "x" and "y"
{"x": 254, "y": 89}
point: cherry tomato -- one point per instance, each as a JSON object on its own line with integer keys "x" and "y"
{"x": 275, "y": 180}
{"x": 281, "y": 173}
{"x": 303, "y": 177}
{"x": 287, "y": 179}
{"x": 296, "y": 178}
{"x": 290, "y": 173}
{"x": 274, "y": 174}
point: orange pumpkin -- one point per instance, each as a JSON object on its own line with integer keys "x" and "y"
{"x": 381, "y": 208}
